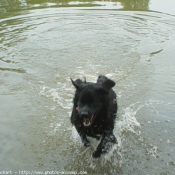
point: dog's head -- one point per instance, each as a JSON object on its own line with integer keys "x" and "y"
{"x": 90, "y": 98}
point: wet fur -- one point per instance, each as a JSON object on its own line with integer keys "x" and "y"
{"x": 100, "y": 100}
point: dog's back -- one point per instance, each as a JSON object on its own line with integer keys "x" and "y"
{"x": 112, "y": 98}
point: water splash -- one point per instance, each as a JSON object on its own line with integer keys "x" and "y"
{"x": 126, "y": 122}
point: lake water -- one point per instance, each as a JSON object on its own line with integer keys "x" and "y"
{"x": 44, "y": 43}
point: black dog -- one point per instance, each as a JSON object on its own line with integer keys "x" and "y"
{"x": 94, "y": 112}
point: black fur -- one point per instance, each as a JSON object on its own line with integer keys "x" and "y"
{"x": 94, "y": 112}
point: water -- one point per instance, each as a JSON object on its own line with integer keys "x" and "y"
{"x": 42, "y": 46}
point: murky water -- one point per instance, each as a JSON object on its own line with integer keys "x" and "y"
{"x": 42, "y": 46}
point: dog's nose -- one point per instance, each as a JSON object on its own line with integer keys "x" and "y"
{"x": 84, "y": 113}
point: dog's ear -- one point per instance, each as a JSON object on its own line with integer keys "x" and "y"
{"x": 101, "y": 79}
{"x": 108, "y": 84}
{"x": 76, "y": 83}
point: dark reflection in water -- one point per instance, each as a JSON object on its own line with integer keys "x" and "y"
{"x": 13, "y": 70}
{"x": 135, "y": 4}
{"x": 12, "y": 5}
{"x": 52, "y": 1}
{"x": 9, "y": 5}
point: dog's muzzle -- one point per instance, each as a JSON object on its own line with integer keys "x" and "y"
{"x": 87, "y": 121}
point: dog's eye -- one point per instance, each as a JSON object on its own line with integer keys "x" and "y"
{"x": 86, "y": 99}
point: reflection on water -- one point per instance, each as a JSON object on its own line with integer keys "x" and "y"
{"x": 12, "y": 5}
{"x": 135, "y": 4}
{"x": 9, "y": 5}
{"x": 13, "y": 70}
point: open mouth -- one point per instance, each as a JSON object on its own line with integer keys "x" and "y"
{"x": 88, "y": 121}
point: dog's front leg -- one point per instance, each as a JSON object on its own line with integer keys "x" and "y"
{"x": 105, "y": 145}
{"x": 85, "y": 141}
{"x": 79, "y": 127}
{"x": 82, "y": 132}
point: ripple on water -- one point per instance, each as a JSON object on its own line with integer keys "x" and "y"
{"x": 51, "y": 54}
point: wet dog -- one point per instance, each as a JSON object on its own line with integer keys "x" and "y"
{"x": 94, "y": 112}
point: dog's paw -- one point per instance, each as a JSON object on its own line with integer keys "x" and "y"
{"x": 96, "y": 154}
